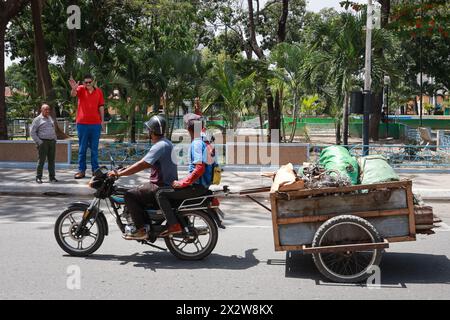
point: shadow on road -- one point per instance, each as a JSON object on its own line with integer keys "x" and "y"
{"x": 165, "y": 260}
{"x": 397, "y": 269}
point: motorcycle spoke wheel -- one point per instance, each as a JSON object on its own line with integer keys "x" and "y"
{"x": 200, "y": 240}
{"x": 81, "y": 242}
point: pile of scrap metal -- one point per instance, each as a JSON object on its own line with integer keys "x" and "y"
{"x": 426, "y": 221}
{"x": 337, "y": 168}
{"x": 316, "y": 177}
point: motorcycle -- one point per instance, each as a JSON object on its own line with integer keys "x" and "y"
{"x": 81, "y": 228}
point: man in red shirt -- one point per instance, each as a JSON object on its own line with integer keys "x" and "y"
{"x": 90, "y": 121}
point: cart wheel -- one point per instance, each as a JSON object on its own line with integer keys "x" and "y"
{"x": 347, "y": 266}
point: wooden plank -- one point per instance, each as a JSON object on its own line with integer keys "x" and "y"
{"x": 289, "y": 248}
{"x": 254, "y": 190}
{"x": 311, "y": 192}
{"x": 412, "y": 218}
{"x": 390, "y": 199}
{"x": 363, "y": 214}
{"x": 423, "y": 215}
{"x": 303, "y": 233}
{"x": 347, "y": 247}
{"x": 276, "y": 236}
{"x": 401, "y": 239}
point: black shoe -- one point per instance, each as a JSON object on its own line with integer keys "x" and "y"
{"x": 53, "y": 180}
{"x": 39, "y": 180}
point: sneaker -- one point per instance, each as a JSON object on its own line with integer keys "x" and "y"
{"x": 39, "y": 180}
{"x": 79, "y": 175}
{"x": 53, "y": 180}
{"x": 173, "y": 229}
{"x": 140, "y": 234}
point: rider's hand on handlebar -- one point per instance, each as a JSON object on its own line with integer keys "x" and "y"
{"x": 113, "y": 174}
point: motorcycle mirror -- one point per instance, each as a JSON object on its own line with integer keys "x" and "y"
{"x": 113, "y": 164}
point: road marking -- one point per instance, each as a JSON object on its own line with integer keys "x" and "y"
{"x": 25, "y": 222}
{"x": 250, "y": 227}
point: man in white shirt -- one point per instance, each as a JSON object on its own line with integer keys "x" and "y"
{"x": 43, "y": 133}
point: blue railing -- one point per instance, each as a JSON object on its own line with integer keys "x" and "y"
{"x": 398, "y": 155}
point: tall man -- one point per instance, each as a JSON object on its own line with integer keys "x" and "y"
{"x": 43, "y": 133}
{"x": 90, "y": 121}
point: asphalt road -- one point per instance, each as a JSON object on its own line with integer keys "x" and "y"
{"x": 244, "y": 264}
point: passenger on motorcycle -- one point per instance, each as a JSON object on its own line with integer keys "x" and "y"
{"x": 163, "y": 173}
{"x": 196, "y": 184}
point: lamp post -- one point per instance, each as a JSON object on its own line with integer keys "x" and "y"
{"x": 387, "y": 83}
{"x": 420, "y": 64}
{"x": 367, "y": 78}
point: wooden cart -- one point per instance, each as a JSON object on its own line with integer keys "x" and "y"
{"x": 345, "y": 229}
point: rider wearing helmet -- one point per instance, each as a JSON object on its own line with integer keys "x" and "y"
{"x": 163, "y": 173}
{"x": 197, "y": 182}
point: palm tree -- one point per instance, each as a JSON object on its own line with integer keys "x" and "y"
{"x": 294, "y": 67}
{"x": 226, "y": 88}
{"x": 342, "y": 59}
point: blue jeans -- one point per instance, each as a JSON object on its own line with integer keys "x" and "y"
{"x": 88, "y": 137}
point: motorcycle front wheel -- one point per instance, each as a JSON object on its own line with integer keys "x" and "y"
{"x": 85, "y": 242}
{"x": 200, "y": 241}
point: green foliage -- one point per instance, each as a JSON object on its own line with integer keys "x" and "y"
{"x": 227, "y": 91}
{"x": 311, "y": 105}
{"x": 183, "y": 49}
{"x": 22, "y": 105}
{"x": 429, "y": 108}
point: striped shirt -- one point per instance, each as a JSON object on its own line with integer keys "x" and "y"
{"x": 43, "y": 128}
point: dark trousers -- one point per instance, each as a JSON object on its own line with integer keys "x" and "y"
{"x": 165, "y": 195}
{"x": 137, "y": 199}
{"x": 46, "y": 150}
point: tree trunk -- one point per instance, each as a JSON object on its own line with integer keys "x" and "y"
{"x": 8, "y": 10}
{"x": 378, "y": 99}
{"x": 3, "y": 117}
{"x": 261, "y": 123}
{"x": 273, "y": 107}
{"x": 345, "y": 122}
{"x": 132, "y": 122}
{"x": 251, "y": 24}
{"x": 338, "y": 132}
{"x": 281, "y": 33}
{"x": 277, "y": 115}
{"x": 375, "y": 118}
{"x": 270, "y": 111}
{"x": 294, "y": 118}
{"x": 45, "y": 86}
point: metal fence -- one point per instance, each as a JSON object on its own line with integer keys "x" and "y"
{"x": 20, "y": 128}
{"x": 400, "y": 156}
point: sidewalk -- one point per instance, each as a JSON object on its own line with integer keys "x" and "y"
{"x": 431, "y": 186}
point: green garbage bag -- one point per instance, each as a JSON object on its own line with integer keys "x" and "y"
{"x": 376, "y": 169}
{"x": 338, "y": 158}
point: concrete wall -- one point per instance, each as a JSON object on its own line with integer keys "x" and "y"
{"x": 266, "y": 154}
{"x": 26, "y": 151}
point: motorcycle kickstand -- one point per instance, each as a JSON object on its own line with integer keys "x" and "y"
{"x": 153, "y": 245}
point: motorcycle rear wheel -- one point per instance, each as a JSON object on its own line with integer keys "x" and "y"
{"x": 202, "y": 227}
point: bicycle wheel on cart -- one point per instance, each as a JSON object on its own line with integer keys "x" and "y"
{"x": 350, "y": 257}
